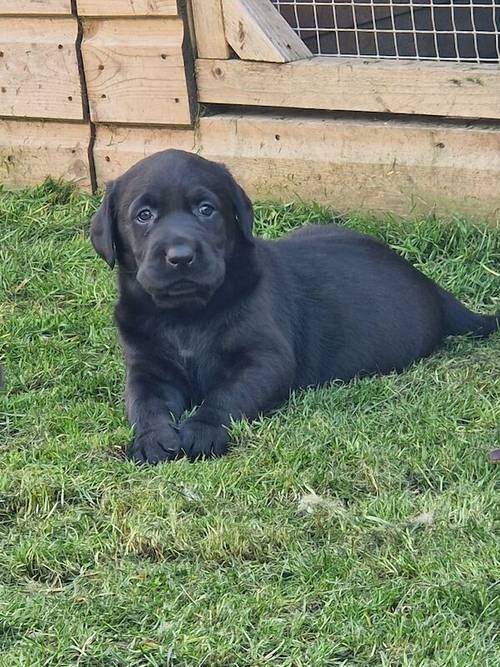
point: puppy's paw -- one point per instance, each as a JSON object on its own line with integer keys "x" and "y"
{"x": 200, "y": 440}
{"x": 156, "y": 446}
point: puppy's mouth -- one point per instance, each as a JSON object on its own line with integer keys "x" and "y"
{"x": 183, "y": 292}
{"x": 179, "y": 292}
{"x": 182, "y": 288}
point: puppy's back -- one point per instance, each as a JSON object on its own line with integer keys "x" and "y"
{"x": 363, "y": 308}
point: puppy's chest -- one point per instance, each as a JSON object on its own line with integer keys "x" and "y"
{"x": 197, "y": 354}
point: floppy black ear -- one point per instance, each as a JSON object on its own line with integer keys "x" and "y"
{"x": 102, "y": 229}
{"x": 243, "y": 210}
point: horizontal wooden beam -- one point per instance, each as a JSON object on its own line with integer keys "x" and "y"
{"x": 39, "y": 69}
{"x": 32, "y": 150}
{"x": 117, "y": 148}
{"x": 353, "y": 84}
{"x": 35, "y": 7}
{"x": 127, "y": 7}
{"x": 408, "y": 168}
{"x": 370, "y": 166}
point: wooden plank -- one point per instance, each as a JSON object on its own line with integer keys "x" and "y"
{"x": 371, "y": 166}
{"x": 127, "y": 7}
{"x": 376, "y": 166}
{"x": 135, "y": 71}
{"x": 209, "y": 29}
{"x": 118, "y": 147}
{"x": 35, "y": 7}
{"x": 351, "y": 84}
{"x": 257, "y": 31}
{"x": 32, "y": 150}
{"x": 38, "y": 68}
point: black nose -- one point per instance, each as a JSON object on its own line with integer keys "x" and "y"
{"x": 180, "y": 255}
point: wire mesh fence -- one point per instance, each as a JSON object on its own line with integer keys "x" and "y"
{"x": 440, "y": 30}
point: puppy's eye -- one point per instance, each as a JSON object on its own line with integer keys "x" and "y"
{"x": 206, "y": 210}
{"x": 144, "y": 215}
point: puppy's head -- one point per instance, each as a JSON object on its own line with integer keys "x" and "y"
{"x": 174, "y": 219}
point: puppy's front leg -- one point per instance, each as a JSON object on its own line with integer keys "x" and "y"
{"x": 153, "y": 403}
{"x": 260, "y": 385}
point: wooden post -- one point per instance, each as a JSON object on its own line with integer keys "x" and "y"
{"x": 209, "y": 29}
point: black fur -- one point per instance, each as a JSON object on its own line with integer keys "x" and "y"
{"x": 211, "y": 316}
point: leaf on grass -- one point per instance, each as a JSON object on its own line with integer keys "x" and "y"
{"x": 311, "y": 502}
{"x": 424, "y": 520}
{"x": 190, "y": 493}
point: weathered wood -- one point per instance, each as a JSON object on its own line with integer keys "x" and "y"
{"x": 409, "y": 168}
{"x": 38, "y": 68}
{"x": 406, "y": 167}
{"x": 209, "y": 29}
{"x": 135, "y": 71}
{"x": 32, "y": 150}
{"x": 127, "y": 7}
{"x": 350, "y": 84}
{"x": 257, "y": 31}
{"x": 35, "y": 7}
{"x": 117, "y": 148}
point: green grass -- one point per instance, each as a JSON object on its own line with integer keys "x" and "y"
{"x": 236, "y": 562}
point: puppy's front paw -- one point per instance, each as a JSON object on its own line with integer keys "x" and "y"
{"x": 156, "y": 446}
{"x": 200, "y": 440}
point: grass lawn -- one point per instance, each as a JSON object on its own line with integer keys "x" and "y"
{"x": 355, "y": 527}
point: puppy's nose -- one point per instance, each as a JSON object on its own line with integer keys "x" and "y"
{"x": 180, "y": 255}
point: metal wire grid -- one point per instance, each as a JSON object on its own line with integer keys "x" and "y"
{"x": 440, "y": 30}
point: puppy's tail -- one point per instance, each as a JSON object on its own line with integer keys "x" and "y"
{"x": 460, "y": 321}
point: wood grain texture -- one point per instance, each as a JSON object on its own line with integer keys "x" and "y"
{"x": 209, "y": 29}
{"x": 38, "y": 68}
{"x": 257, "y": 31}
{"x": 370, "y": 166}
{"x": 377, "y": 166}
{"x": 118, "y": 147}
{"x": 127, "y": 7}
{"x": 32, "y": 150}
{"x": 35, "y": 7}
{"x": 135, "y": 71}
{"x": 366, "y": 165}
{"x": 349, "y": 84}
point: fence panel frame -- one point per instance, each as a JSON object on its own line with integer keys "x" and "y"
{"x": 350, "y": 84}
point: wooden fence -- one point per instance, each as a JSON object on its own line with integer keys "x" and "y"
{"x": 88, "y": 87}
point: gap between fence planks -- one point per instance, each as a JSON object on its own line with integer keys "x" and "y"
{"x": 354, "y": 84}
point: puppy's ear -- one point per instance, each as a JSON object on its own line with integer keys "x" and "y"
{"x": 102, "y": 228}
{"x": 243, "y": 209}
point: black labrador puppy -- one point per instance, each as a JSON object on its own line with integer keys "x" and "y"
{"x": 210, "y": 316}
